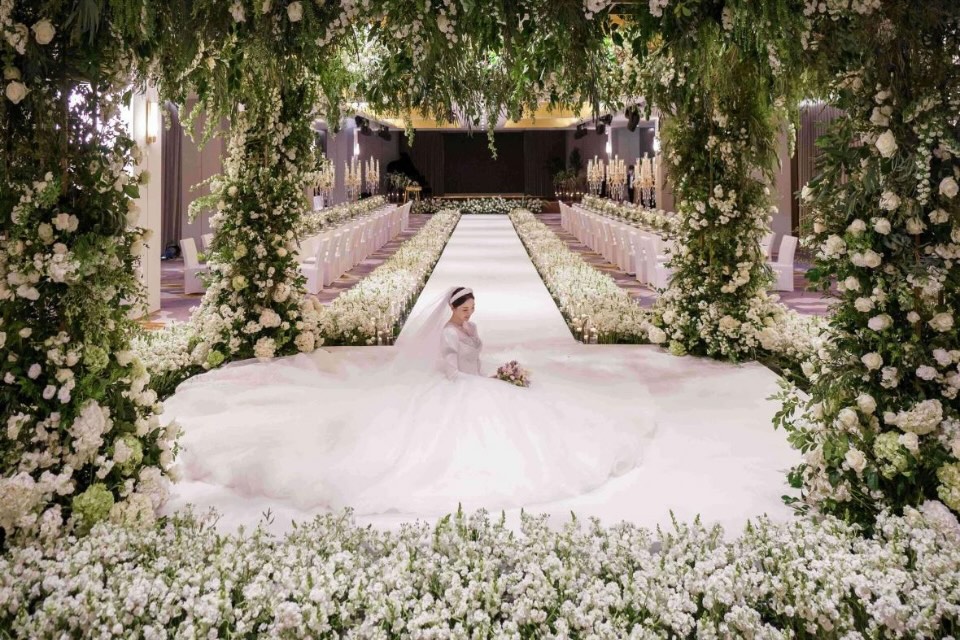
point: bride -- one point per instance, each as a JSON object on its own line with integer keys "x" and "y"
{"x": 423, "y": 434}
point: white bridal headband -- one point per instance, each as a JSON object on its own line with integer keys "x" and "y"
{"x": 459, "y": 294}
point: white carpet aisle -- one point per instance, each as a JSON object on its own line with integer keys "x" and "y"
{"x": 714, "y": 452}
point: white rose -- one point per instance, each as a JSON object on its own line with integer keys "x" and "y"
{"x": 915, "y": 226}
{"x": 806, "y": 193}
{"x": 889, "y": 201}
{"x": 942, "y": 322}
{"x": 834, "y": 246}
{"x": 855, "y": 460}
{"x": 939, "y": 216}
{"x": 851, "y": 284}
{"x": 878, "y": 118}
{"x": 942, "y": 356}
{"x": 34, "y": 371}
{"x": 43, "y": 31}
{"x": 295, "y": 11}
{"x": 913, "y": 317}
{"x": 871, "y": 259}
{"x": 45, "y": 231}
{"x": 872, "y": 361}
{"x": 16, "y": 91}
{"x": 887, "y": 144}
{"x": 949, "y": 187}
{"x": 866, "y": 404}
{"x": 848, "y": 418}
{"x": 881, "y": 226}
{"x": 863, "y": 305}
{"x": 857, "y": 227}
{"x": 880, "y": 322}
{"x": 11, "y": 73}
{"x": 926, "y": 372}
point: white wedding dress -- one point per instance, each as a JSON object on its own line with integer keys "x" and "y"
{"x": 421, "y": 434}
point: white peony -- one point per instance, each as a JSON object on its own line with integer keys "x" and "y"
{"x": 851, "y": 283}
{"x": 43, "y": 32}
{"x": 939, "y": 216}
{"x": 871, "y": 259}
{"x": 295, "y": 11}
{"x": 863, "y": 305}
{"x": 887, "y": 144}
{"x": 872, "y": 361}
{"x": 834, "y": 246}
{"x": 881, "y": 322}
{"x": 656, "y": 335}
{"x": 866, "y": 404}
{"x": 16, "y": 91}
{"x": 889, "y": 201}
{"x": 855, "y": 460}
{"x": 942, "y": 322}
{"x": 949, "y": 187}
{"x": 881, "y": 226}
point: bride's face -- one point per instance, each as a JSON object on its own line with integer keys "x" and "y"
{"x": 464, "y": 311}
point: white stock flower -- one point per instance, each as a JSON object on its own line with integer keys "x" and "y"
{"x": 43, "y": 32}
{"x": 265, "y": 348}
{"x": 872, "y": 360}
{"x": 887, "y": 144}
{"x": 949, "y": 187}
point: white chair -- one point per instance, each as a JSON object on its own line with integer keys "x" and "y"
{"x": 627, "y": 255}
{"x": 783, "y": 267}
{"x": 657, "y": 274}
{"x": 315, "y": 268}
{"x": 207, "y": 241}
{"x": 192, "y": 267}
{"x": 766, "y": 245}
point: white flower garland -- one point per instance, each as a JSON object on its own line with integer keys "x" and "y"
{"x": 594, "y": 306}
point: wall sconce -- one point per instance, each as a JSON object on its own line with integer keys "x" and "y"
{"x": 151, "y": 123}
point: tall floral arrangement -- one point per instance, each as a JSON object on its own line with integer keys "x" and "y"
{"x": 80, "y": 441}
{"x": 881, "y": 428}
{"x": 723, "y": 76}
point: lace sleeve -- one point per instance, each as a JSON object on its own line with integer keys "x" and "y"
{"x": 450, "y": 350}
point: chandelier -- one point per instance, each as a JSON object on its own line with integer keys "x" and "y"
{"x": 325, "y": 177}
{"x": 617, "y": 178}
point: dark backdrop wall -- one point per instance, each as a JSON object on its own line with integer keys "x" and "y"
{"x": 455, "y": 162}
{"x": 469, "y": 167}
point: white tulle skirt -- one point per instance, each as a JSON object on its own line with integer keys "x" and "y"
{"x": 320, "y": 431}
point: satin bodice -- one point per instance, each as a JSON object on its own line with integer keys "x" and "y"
{"x": 461, "y": 350}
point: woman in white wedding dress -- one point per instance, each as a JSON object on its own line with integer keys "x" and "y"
{"x": 421, "y": 434}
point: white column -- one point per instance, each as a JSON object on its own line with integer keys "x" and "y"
{"x": 147, "y": 129}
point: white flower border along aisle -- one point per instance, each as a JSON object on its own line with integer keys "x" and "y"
{"x": 594, "y": 306}
{"x": 657, "y": 219}
{"x": 373, "y": 311}
{"x": 475, "y": 578}
{"x": 495, "y": 205}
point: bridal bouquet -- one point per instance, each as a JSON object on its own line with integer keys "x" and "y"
{"x": 513, "y": 373}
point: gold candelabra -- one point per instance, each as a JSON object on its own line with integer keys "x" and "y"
{"x": 373, "y": 175}
{"x": 352, "y": 178}
{"x": 617, "y": 178}
{"x": 596, "y": 173}
{"x": 647, "y": 180}
{"x": 326, "y": 177}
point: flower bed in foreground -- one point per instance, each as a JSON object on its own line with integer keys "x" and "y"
{"x": 471, "y": 577}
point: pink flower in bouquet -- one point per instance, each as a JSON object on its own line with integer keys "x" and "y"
{"x": 513, "y": 373}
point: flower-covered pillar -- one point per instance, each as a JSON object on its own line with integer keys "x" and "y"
{"x": 79, "y": 438}
{"x": 724, "y": 76}
{"x": 882, "y": 427}
{"x": 267, "y": 68}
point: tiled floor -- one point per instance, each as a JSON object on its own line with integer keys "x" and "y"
{"x": 175, "y": 305}
{"x": 801, "y": 300}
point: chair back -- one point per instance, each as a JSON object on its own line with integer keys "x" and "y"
{"x": 788, "y": 247}
{"x": 189, "y": 248}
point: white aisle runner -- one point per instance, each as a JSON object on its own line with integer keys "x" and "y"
{"x": 715, "y": 452}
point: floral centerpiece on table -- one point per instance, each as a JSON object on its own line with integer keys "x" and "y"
{"x": 513, "y": 373}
